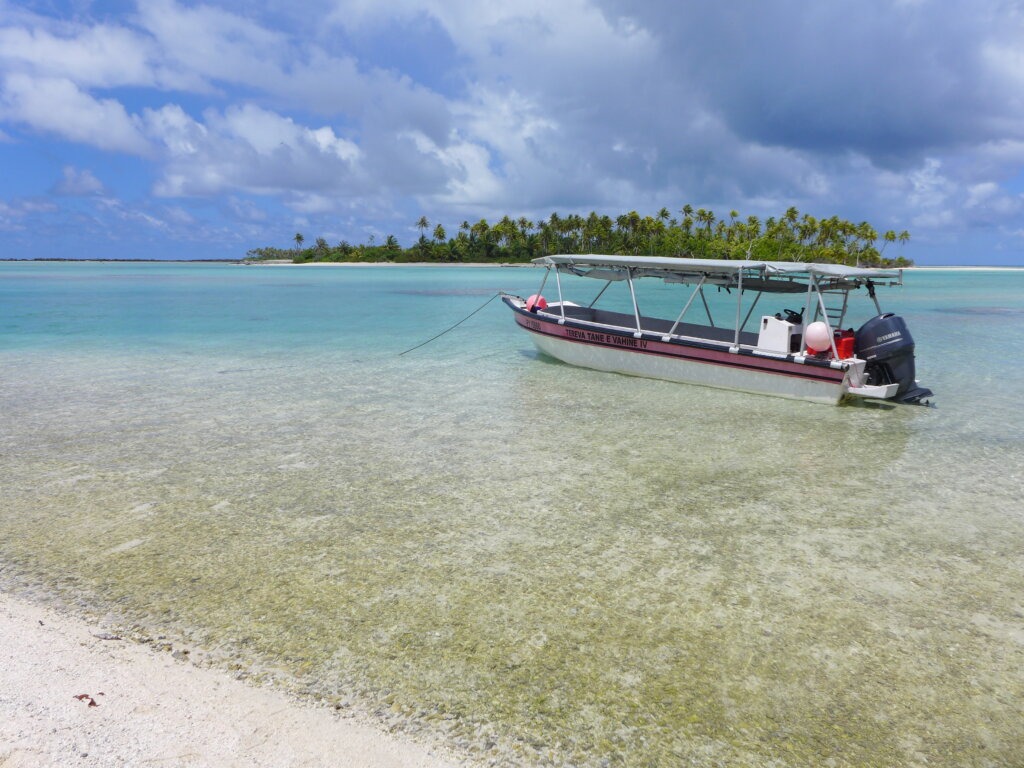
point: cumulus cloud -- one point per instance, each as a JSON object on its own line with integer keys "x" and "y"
{"x": 470, "y": 180}
{"x": 248, "y": 148}
{"x": 76, "y": 182}
{"x": 466, "y": 108}
{"x": 58, "y": 106}
{"x": 265, "y": 132}
{"x": 212, "y": 44}
{"x": 549, "y": 91}
{"x": 100, "y": 56}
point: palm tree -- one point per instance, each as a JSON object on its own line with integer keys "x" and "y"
{"x": 687, "y": 225}
{"x": 753, "y": 227}
{"x": 575, "y": 225}
{"x": 483, "y": 238}
{"x": 480, "y": 230}
{"x": 888, "y": 237}
{"x": 545, "y": 237}
{"x": 505, "y": 232}
{"x": 707, "y": 218}
{"x": 903, "y": 238}
{"x": 732, "y": 231}
{"x": 439, "y": 237}
{"x": 655, "y": 230}
{"x": 422, "y": 225}
{"x": 809, "y": 231}
{"x": 866, "y": 237}
{"x": 299, "y": 240}
{"x": 555, "y": 229}
{"x": 592, "y": 232}
{"x": 721, "y": 235}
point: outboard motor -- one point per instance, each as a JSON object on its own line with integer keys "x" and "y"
{"x": 887, "y": 346}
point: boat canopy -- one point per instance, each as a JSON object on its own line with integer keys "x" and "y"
{"x": 768, "y": 276}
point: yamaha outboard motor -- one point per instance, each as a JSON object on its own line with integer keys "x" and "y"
{"x": 888, "y": 347}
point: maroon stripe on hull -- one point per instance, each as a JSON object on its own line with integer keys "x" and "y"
{"x": 627, "y": 342}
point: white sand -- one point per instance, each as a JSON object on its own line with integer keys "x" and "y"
{"x": 154, "y": 710}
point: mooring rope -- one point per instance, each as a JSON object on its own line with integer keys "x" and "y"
{"x": 442, "y": 333}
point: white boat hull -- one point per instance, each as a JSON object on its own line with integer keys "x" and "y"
{"x": 634, "y": 363}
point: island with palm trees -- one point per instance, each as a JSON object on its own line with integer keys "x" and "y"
{"x": 695, "y": 233}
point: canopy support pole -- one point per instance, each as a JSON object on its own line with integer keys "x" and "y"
{"x": 706, "y": 307}
{"x": 599, "y": 294}
{"x": 561, "y": 301}
{"x": 824, "y": 315}
{"x": 751, "y": 310}
{"x": 636, "y": 309}
{"x": 679, "y": 319}
{"x": 544, "y": 281}
{"x": 739, "y": 308}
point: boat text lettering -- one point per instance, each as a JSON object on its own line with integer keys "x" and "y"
{"x": 605, "y": 338}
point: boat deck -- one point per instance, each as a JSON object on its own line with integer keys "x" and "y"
{"x": 651, "y": 324}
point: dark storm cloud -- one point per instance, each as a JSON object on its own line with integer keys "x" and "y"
{"x": 890, "y": 80}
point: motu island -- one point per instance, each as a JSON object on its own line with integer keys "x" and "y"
{"x": 698, "y": 233}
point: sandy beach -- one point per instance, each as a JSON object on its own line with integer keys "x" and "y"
{"x": 72, "y": 695}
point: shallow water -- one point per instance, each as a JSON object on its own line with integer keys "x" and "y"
{"x": 528, "y": 561}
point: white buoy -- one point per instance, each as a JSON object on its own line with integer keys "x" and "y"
{"x": 817, "y": 337}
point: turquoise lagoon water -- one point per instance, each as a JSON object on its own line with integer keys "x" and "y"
{"x": 527, "y": 562}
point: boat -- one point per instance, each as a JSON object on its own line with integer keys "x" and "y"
{"x": 806, "y": 353}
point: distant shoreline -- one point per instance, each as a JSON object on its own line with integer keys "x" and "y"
{"x": 276, "y": 262}
{"x": 445, "y": 264}
{"x": 130, "y": 261}
{"x": 967, "y": 269}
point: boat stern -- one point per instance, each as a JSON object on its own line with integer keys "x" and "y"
{"x": 885, "y": 344}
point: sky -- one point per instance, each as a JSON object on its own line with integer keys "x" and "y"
{"x": 178, "y": 129}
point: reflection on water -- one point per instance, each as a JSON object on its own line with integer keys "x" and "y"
{"x": 536, "y": 562}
